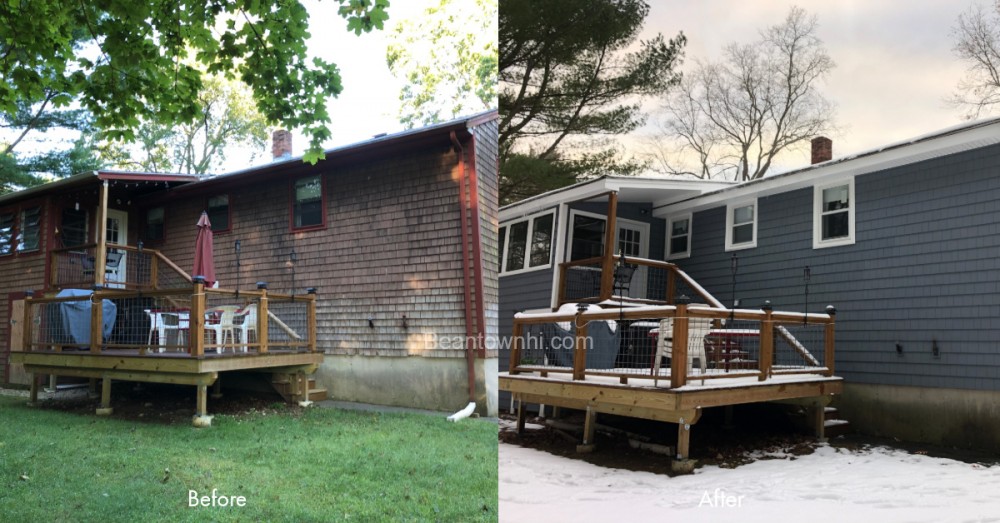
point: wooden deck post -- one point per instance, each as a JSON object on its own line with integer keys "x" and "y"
{"x": 33, "y": 395}
{"x": 96, "y": 321}
{"x": 589, "y": 430}
{"x": 580, "y": 350}
{"x": 311, "y": 320}
{"x": 678, "y": 356}
{"x": 516, "y": 346}
{"x": 196, "y": 322}
{"x": 217, "y": 388}
{"x": 828, "y": 340}
{"x": 520, "y": 417}
{"x": 105, "y": 408}
{"x": 819, "y": 421}
{"x": 101, "y": 251}
{"x": 766, "y": 342}
{"x": 262, "y": 317}
{"x": 683, "y": 439}
{"x": 202, "y": 402}
{"x": 608, "y": 260}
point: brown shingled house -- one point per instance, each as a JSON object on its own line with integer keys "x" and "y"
{"x": 396, "y": 237}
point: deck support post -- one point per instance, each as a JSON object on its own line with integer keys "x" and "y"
{"x": 828, "y": 341}
{"x": 201, "y": 417}
{"x": 766, "y": 342}
{"x": 579, "y": 350}
{"x": 303, "y": 392}
{"x": 683, "y": 439}
{"x": 101, "y": 250}
{"x": 105, "y": 408}
{"x": 819, "y": 421}
{"x": 217, "y": 388}
{"x": 608, "y": 260}
{"x": 33, "y": 395}
{"x": 262, "y": 313}
{"x": 679, "y": 348}
{"x": 520, "y": 417}
{"x": 589, "y": 430}
{"x": 196, "y": 323}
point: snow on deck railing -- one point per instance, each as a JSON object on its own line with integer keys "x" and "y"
{"x": 740, "y": 342}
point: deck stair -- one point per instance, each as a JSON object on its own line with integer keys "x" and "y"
{"x": 833, "y": 425}
{"x": 284, "y": 385}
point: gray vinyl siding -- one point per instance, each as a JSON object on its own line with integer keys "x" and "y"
{"x": 925, "y": 267}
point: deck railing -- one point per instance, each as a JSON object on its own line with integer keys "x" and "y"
{"x": 631, "y": 342}
{"x": 190, "y": 322}
{"x": 638, "y": 280}
{"x": 127, "y": 267}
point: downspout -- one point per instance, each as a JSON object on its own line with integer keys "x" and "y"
{"x": 469, "y": 318}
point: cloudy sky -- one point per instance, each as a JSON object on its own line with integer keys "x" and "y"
{"x": 895, "y": 65}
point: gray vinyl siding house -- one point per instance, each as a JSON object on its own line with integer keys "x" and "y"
{"x": 916, "y": 281}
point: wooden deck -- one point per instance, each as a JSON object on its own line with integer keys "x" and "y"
{"x": 640, "y": 398}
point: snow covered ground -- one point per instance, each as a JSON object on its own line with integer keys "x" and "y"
{"x": 831, "y": 485}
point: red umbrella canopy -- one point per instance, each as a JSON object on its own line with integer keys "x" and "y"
{"x": 204, "y": 257}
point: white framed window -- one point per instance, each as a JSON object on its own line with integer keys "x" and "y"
{"x": 833, "y": 214}
{"x": 741, "y": 225}
{"x": 679, "y": 237}
{"x": 526, "y": 243}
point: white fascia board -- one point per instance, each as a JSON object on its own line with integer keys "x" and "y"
{"x": 859, "y": 164}
{"x": 580, "y": 191}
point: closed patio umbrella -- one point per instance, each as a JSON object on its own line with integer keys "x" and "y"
{"x": 204, "y": 258}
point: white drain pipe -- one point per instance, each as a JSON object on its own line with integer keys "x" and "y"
{"x": 464, "y": 413}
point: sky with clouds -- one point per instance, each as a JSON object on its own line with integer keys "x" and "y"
{"x": 895, "y": 65}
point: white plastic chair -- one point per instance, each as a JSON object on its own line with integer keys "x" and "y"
{"x": 249, "y": 323}
{"x": 221, "y": 321}
{"x": 697, "y": 328}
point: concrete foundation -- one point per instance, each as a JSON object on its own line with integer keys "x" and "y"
{"x": 952, "y": 417}
{"x": 417, "y": 382}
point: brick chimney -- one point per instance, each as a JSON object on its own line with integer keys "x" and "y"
{"x": 822, "y": 149}
{"x": 281, "y": 144}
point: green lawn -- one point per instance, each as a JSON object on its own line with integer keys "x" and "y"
{"x": 312, "y": 465}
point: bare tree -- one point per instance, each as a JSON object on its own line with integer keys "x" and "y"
{"x": 977, "y": 42}
{"x": 731, "y": 119}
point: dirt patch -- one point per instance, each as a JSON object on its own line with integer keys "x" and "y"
{"x": 164, "y": 404}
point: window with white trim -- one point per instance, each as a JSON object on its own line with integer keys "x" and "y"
{"x": 679, "y": 237}
{"x": 526, "y": 244}
{"x": 833, "y": 214}
{"x": 741, "y": 225}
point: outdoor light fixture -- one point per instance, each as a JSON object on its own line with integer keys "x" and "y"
{"x": 406, "y": 324}
{"x": 76, "y": 206}
{"x": 371, "y": 322}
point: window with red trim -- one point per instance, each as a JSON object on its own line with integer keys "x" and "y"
{"x": 218, "y": 212}
{"x": 6, "y": 233}
{"x": 154, "y": 225}
{"x": 307, "y": 202}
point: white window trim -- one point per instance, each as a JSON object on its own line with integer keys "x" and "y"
{"x": 852, "y": 211}
{"x": 670, "y": 227}
{"x": 643, "y": 228}
{"x": 729, "y": 224}
{"x": 527, "y": 248}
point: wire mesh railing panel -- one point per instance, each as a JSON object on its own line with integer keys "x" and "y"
{"x": 168, "y": 278}
{"x": 548, "y": 345}
{"x": 73, "y": 268}
{"x": 161, "y": 323}
{"x": 583, "y": 282}
{"x": 798, "y": 347}
{"x": 287, "y": 324}
{"x": 231, "y": 322}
